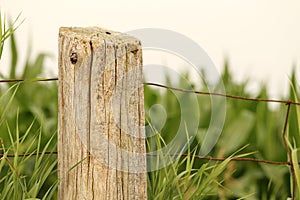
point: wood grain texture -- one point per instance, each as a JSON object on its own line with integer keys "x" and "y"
{"x": 101, "y": 138}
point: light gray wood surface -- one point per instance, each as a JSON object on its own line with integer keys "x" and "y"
{"x": 101, "y": 136}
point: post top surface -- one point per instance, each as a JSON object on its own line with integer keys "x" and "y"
{"x": 96, "y": 33}
{"x": 87, "y": 30}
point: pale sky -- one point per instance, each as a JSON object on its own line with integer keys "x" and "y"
{"x": 261, "y": 38}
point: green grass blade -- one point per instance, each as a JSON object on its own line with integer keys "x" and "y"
{"x": 8, "y": 104}
{"x": 296, "y": 168}
{"x": 14, "y": 57}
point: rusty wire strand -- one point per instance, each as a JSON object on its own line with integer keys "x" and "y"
{"x": 181, "y": 155}
{"x": 223, "y": 159}
{"x": 172, "y": 88}
{"x": 27, "y": 80}
{"x": 27, "y": 154}
{"x": 224, "y": 95}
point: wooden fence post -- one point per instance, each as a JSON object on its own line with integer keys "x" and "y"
{"x": 101, "y": 138}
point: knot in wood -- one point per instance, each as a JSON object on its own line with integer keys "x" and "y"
{"x": 74, "y": 58}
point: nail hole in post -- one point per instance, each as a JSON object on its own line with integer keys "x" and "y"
{"x": 74, "y": 58}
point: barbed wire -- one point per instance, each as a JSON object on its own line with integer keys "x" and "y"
{"x": 224, "y": 95}
{"x": 28, "y": 80}
{"x": 28, "y": 154}
{"x": 171, "y": 88}
{"x": 177, "y": 155}
{"x": 288, "y": 103}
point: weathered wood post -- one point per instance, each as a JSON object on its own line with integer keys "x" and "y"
{"x": 101, "y": 138}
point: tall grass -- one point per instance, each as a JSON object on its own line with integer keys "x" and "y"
{"x": 27, "y": 125}
{"x": 25, "y": 177}
{"x": 294, "y": 135}
{"x": 249, "y": 123}
{"x": 183, "y": 178}
{"x": 6, "y": 31}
